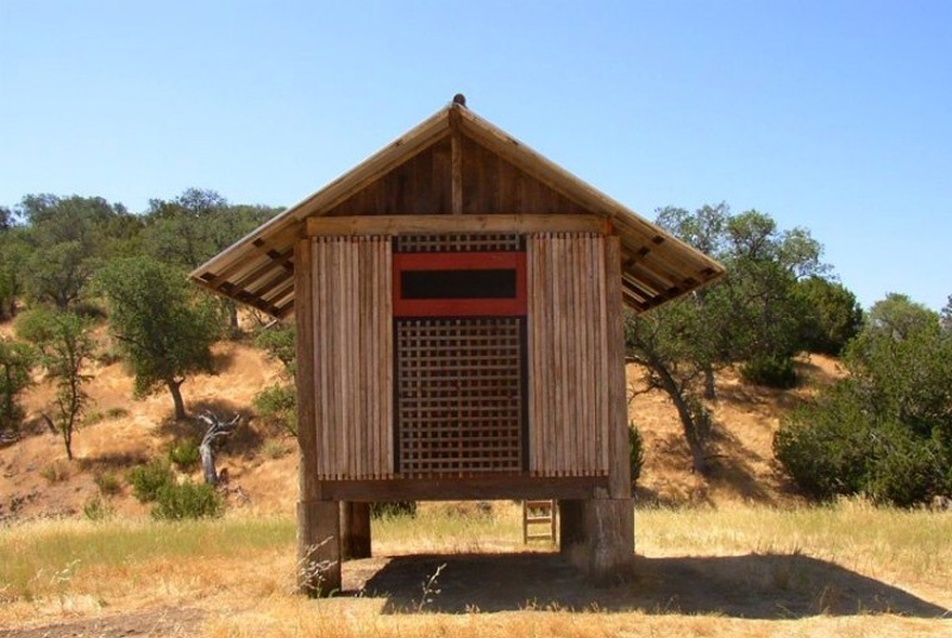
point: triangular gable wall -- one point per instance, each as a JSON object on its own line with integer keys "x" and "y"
{"x": 423, "y": 186}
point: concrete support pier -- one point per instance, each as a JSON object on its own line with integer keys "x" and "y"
{"x": 598, "y": 536}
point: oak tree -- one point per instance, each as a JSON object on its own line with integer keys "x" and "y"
{"x": 66, "y": 346}
{"x": 163, "y": 325}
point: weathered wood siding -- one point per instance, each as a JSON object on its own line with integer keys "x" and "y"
{"x": 420, "y": 186}
{"x": 569, "y": 372}
{"x": 575, "y": 391}
{"x": 494, "y": 186}
{"x": 486, "y": 184}
{"x": 353, "y": 357}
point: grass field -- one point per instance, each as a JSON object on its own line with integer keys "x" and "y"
{"x": 844, "y": 570}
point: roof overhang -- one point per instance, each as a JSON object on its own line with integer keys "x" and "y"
{"x": 258, "y": 270}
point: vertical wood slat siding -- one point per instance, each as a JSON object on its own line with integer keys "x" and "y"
{"x": 352, "y": 334}
{"x": 570, "y": 404}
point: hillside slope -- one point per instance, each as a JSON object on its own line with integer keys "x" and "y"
{"x": 36, "y": 480}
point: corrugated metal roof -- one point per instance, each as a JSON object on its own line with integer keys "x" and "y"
{"x": 258, "y": 270}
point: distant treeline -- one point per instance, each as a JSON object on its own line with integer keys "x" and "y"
{"x": 51, "y": 246}
{"x": 884, "y": 431}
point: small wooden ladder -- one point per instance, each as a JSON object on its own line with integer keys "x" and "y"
{"x": 535, "y": 514}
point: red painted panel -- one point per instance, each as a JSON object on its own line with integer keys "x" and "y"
{"x": 515, "y": 306}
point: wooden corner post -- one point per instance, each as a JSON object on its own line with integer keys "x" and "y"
{"x": 613, "y": 548}
{"x": 318, "y": 567}
{"x": 598, "y": 534}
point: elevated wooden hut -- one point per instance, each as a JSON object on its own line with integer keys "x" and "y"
{"x": 458, "y": 301}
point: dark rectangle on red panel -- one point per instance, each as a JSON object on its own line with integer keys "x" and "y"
{"x": 459, "y": 284}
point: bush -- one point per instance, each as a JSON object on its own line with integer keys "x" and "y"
{"x": 905, "y": 471}
{"x": 393, "y": 509}
{"x": 16, "y": 362}
{"x": 277, "y": 404}
{"x": 185, "y": 455}
{"x": 92, "y": 418}
{"x": 108, "y": 483}
{"x": 838, "y": 448}
{"x": 187, "y": 501}
{"x": 772, "y": 371}
{"x": 280, "y": 343}
{"x": 275, "y": 448}
{"x": 149, "y": 479}
{"x": 636, "y": 454}
{"x": 825, "y": 447}
{"x": 56, "y": 472}
{"x": 97, "y": 509}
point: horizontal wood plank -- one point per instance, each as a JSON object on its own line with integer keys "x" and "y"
{"x": 475, "y": 488}
{"x": 411, "y": 224}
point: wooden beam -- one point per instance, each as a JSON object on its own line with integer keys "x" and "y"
{"x": 313, "y": 547}
{"x": 619, "y": 465}
{"x": 480, "y": 488}
{"x": 274, "y": 241}
{"x": 456, "y": 162}
{"x": 410, "y": 224}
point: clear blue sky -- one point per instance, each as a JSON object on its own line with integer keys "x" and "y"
{"x": 833, "y": 115}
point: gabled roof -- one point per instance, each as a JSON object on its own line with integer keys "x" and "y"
{"x": 415, "y": 170}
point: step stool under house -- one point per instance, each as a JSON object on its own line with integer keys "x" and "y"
{"x": 458, "y": 301}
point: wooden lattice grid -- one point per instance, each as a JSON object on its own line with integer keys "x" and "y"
{"x": 460, "y": 396}
{"x": 462, "y": 243}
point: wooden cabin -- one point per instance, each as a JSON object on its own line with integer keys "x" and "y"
{"x": 458, "y": 301}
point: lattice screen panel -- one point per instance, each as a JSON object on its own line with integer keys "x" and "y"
{"x": 460, "y": 396}
{"x": 464, "y": 243}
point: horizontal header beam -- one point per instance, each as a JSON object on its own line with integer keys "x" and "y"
{"x": 418, "y": 224}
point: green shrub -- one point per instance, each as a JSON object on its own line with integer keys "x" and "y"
{"x": 280, "y": 343}
{"x": 277, "y": 404}
{"x": 905, "y": 470}
{"x": 185, "y": 455}
{"x": 117, "y": 413}
{"x": 826, "y": 447}
{"x": 149, "y": 479}
{"x": 275, "y": 448}
{"x": 98, "y": 509}
{"x": 636, "y": 453}
{"x": 92, "y": 418}
{"x": 839, "y": 448}
{"x": 88, "y": 310}
{"x": 187, "y": 501}
{"x": 16, "y": 361}
{"x": 108, "y": 483}
{"x": 56, "y": 472}
{"x": 393, "y": 509}
{"x": 772, "y": 371}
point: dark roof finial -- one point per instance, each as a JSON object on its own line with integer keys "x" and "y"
{"x": 460, "y": 99}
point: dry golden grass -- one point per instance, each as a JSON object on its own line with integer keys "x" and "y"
{"x": 733, "y": 555}
{"x": 845, "y": 570}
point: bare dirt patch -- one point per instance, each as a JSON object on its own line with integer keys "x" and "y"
{"x": 167, "y": 622}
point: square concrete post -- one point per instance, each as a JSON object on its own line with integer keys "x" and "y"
{"x": 598, "y": 537}
{"x": 319, "y": 544}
